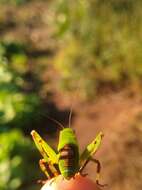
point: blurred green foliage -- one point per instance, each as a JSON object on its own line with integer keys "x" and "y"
{"x": 16, "y": 168}
{"x": 99, "y": 43}
{"x": 16, "y": 103}
{"x": 17, "y": 110}
{"x": 15, "y": 2}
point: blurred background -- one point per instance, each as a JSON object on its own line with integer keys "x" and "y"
{"x": 58, "y": 54}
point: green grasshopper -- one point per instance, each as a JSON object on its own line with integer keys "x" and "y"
{"x": 67, "y": 160}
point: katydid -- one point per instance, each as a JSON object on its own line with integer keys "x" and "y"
{"x": 67, "y": 160}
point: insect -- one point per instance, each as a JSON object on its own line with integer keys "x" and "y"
{"x": 66, "y": 161}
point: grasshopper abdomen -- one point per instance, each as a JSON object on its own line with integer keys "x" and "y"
{"x": 69, "y": 160}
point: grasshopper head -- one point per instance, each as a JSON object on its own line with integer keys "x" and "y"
{"x": 67, "y": 136}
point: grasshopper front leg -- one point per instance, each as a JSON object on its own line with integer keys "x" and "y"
{"x": 50, "y": 170}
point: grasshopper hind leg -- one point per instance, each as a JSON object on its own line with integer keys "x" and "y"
{"x": 82, "y": 168}
{"x": 98, "y": 169}
{"x": 98, "y": 172}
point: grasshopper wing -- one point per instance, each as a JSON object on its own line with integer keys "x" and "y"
{"x": 46, "y": 151}
{"x": 91, "y": 148}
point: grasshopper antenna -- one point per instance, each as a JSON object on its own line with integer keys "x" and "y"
{"x": 54, "y": 120}
{"x": 70, "y": 116}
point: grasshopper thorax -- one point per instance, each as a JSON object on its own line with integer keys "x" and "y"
{"x": 67, "y": 136}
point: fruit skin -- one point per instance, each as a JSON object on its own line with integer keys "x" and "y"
{"x": 77, "y": 183}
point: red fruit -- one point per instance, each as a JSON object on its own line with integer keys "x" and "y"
{"x": 78, "y": 183}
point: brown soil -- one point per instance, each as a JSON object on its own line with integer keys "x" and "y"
{"x": 119, "y": 116}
